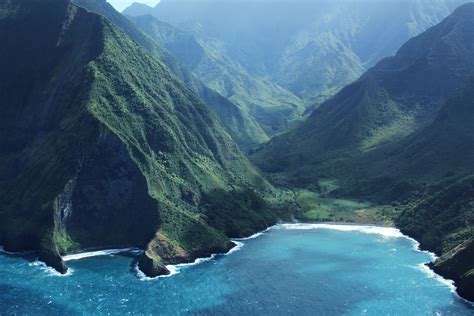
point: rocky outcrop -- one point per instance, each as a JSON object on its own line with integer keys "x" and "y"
{"x": 161, "y": 251}
{"x": 456, "y": 265}
{"x": 141, "y": 147}
{"x": 52, "y": 259}
{"x": 151, "y": 265}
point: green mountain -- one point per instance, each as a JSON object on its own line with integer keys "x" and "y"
{"x": 271, "y": 106}
{"x": 402, "y": 135}
{"x": 395, "y": 99}
{"x": 101, "y": 146}
{"x": 240, "y": 125}
{"x": 313, "y": 48}
{"x": 442, "y": 219}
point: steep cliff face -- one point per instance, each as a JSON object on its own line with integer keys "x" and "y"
{"x": 312, "y": 48}
{"x": 241, "y": 126}
{"x": 456, "y": 265}
{"x": 394, "y": 100}
{"x": 271, "y": 106}
{"x": 102, "y": 147}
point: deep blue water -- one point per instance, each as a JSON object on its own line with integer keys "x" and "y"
{"x": 284, "y": 271}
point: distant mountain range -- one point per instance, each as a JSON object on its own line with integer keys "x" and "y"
{"x": 311, "y": 49}
{"x": 132, "y": 131}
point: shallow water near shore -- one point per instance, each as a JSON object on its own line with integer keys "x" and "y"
{"x": 290, "y": 269}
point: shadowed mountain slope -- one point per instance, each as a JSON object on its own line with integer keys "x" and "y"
{"x": 101, "y": 146}
{"x": 243, "y": 128}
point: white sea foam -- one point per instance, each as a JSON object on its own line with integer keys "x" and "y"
{"x": 172, "y": 268}
{"x": 377, "y": 230}
{"x": 255, "y": 235}
{"x": 107, "y": 252}
{"x": 238, "y": 246}
{"x": 431, "y": 274}
{"x": 50, "y": 271}
{"x": 416, "y": 247}
{"x": 20, "y": 253}
{"x": 387, "y": 232}
{"x": 139, "y": 273}
{"x": 176, "y": 268}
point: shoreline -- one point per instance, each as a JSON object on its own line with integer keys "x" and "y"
{"x": 385, "y": 231}
{"x": 98, "y": 253}
{"x": 374, "y": 229}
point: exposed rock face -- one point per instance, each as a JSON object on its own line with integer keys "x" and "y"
{"x": 112, "y": 207}
{"x": 63, "y": 206}
{"x": 457, "y": 266}
{"x": 161, "y": 250}
{"x": 53, "y": 259}
{"x": 151, "y": 265}
{"x": 101, "y": 146}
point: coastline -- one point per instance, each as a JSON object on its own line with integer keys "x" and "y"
{"x": 385, "y": 231}
{"x": 97, "y": 253}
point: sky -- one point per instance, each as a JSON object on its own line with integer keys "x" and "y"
{"x": 122, "y": 4}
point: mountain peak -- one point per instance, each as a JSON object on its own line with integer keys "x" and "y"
{"x": 466, "y": 7}
{"x": 137, "y": 8}
{"x": 392, "y": 101}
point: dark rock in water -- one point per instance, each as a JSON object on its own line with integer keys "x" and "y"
{"x": 162, "y": 251}
{"x": 151, "y": 266}
{"x": 457, "y": 266}
{"x": 102, "y": 147}
{"x": 53, "y": 260}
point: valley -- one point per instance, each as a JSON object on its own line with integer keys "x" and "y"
{"x": 179, "y": 130}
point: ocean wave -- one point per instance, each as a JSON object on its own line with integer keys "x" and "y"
{"x": 254, "y": 235}
{"x": 143, "y": 277}
{"x": 172, "y": 268}
{"x": 431, "y": 274}
{"x": 387, "y": 232}
{"x": 376, "y": 230}
{"x": 416, "y": 247}
{"x": 19, "y": 253}
{"x": 176, "y": 268}
{"x": 50, "y": 271}
{"x": 106, "y": 252}
{"x": 238, "y": 246}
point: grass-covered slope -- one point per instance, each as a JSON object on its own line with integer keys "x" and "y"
{"x": 443, "y": 222}
{"x": 101, "y": 146}
{"x": 309, "y": 47}
{"x": 273, "y": 107}
{"x": 439, "y": 163}
{"x": 240, "y": 125}
{"x": 403, "y": 136}
{"x": 393, "y": 100}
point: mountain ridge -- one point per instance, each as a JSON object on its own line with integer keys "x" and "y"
{"x": 312, "y": 49}
{"x": 119, "y": 153}
{"x": 243, "y": 128}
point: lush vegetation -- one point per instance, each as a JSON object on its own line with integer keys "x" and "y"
{"x": 121, "y": 154}
{"x": 106, "y": 141}
{"x": 238, "y": 123}
{"x": 391, "y": 138}
{"x": 271, "y": 106}
{"x": 312, "y": 49}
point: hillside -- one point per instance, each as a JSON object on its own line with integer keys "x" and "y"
{"x": 271, "y": 106}
{"x": 312, "y": 49}
{"x": 442, "y": 219}
{"x": 402, "y": 136}
{"x": 101, "y": 146}
{"x": 395, "y": 99}
{"x": 240, "y": 125}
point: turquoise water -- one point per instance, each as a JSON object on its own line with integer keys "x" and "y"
{"x": 305, "y": 271}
